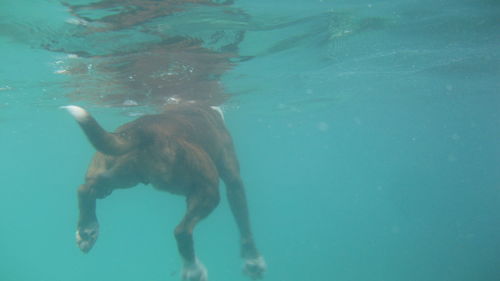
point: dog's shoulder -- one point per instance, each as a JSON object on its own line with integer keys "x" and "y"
{"x": 196, "y": 112}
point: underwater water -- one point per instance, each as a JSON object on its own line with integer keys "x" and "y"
{"x": 368, "y": 134}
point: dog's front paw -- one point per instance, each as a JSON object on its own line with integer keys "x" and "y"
{"x": 195, "y": 271}
{"x": 86, "y": 236}
{"x": 255, "y": 267}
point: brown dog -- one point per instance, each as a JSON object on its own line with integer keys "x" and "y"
{"x": 183, "y": 151}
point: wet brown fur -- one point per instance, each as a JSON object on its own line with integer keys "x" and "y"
{"x": 185, "y": 151}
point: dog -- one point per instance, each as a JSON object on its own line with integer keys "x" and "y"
{"x": 184, "y": 150}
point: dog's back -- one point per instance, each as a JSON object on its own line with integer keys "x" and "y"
{"x": 197, "y": 124}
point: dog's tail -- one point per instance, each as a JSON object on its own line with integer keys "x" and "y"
{"x": 103, "y": 141}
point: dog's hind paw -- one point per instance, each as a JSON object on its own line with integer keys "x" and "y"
{"x": 194, "y": 272}
{"x": 86, "y": 236}
{"x": 255, "y": 267}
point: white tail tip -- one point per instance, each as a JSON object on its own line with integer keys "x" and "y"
{"x": 219, "y": 110}
{"x": 77, "y": 112}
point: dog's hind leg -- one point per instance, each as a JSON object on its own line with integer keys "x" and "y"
{"x": 88, "y": 227}
{"x": 199, "y": 205}
{"x": 99, "y": 183}
{"x": 254, "y": 265}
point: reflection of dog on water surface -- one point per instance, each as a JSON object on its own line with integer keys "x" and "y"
{"x": 183, "y": 151}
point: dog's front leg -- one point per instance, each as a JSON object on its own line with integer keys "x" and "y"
{"x": 254, "y": 264}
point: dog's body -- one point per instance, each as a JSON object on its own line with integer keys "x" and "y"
{"x": 183, "y": 151}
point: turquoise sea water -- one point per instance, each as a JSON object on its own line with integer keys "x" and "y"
{"x": 368, "y": 134}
